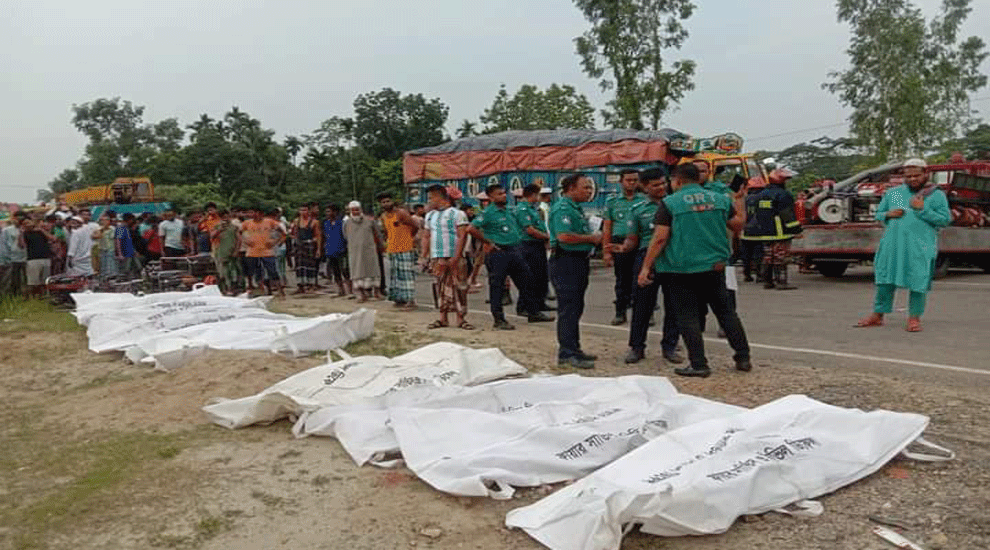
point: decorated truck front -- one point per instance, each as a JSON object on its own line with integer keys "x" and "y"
{"x": 516, "y": 159}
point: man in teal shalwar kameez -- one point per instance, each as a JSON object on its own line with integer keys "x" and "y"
{"x": 912, "y": 214}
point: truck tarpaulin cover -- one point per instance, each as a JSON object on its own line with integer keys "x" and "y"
{"x": 168, "y": 328}
{"x": 546, "y": 150}
{"x": 698, "y": 479}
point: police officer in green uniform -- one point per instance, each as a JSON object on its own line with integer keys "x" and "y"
{"x": 654, "y": 181}
{"x": 571, "y": 244}
{"x": 496, "y": 227}
{"x": 618, "y": 212}
{"x": 690, "y": 251}
{"x": 534, "y": 244}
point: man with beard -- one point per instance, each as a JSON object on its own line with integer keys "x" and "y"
{"x": 363, "y": 246}
{"x": 400, "y": 231}
{"x": 79, "y": 255}
{"x": 912, "y": 213}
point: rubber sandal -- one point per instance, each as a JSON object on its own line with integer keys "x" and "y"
{"x": 869, "y": 322}
{"x": 913, "y": 325}
{"x": 465, "y": 325}
{"x": 437, "y": 324}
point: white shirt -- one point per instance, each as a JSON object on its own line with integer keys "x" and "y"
{"x": 171, "y": 233}
{"x": 80, "y": 245}
{"x": 442, "y": 225}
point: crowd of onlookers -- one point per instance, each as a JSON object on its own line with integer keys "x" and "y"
{"x": 365, "y": 256}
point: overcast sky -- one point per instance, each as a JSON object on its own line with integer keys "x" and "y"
{"x": 292, "y": 64}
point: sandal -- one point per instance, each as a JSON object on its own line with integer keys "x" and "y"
{"x": 913, "y": 325}
{"x": 437, "y": 324}
{"x": 465, "y": 325}
{"x": 870, "y": 321}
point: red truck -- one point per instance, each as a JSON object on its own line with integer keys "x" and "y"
{"x": 840, "y": 228}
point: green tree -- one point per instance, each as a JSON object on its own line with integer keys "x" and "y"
{"x": 624, "y": 50}
{"x": 822, "y": 158}
{"x": 387, "y": 123}
{"x": 974, "y": 144}
{"x": 467, "y": 129}
{"x": 120, "y": 143}
{"x": 909, "y": 79}
{"x": 533, "y": 109}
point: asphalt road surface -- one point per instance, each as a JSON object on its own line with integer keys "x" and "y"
{"x": 813, "y": 325}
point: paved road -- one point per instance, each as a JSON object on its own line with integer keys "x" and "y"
{"x": 813, "y": 325}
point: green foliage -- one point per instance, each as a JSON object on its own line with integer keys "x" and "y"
{"x": 533, "y": 109}
{"x": 387, "y": 123}
{"x": 974, "y": 144}
{"x": 623, "y": 49}
{"x": 120, "y": 143}
{"x": 186, "y": 197}
{"x": 909, "y": 79}
{"x": 19, "y": 314}
{"x": 819, "y": 159}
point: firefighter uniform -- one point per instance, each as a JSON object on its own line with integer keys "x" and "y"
{"x": 751, "y": 251}
{"x": 569, "y": 268}
{"x": 534, "y": 250}
{"x": 618, "y": 209}
{"x": 499, "y": 226}
{"x": 773, "y": 223}
{"x": 693, "y": 265}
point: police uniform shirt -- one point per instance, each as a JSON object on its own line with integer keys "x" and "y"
{"x": 499, "y": 225}
{"x": 641, "y": 222}
{"x": 698, "y": 240}
{"x": 567, "y": 217}
{"x": 618, "y": 209}
{"x": 527, "y": 216}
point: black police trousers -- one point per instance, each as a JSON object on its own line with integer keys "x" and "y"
{"x": 508, "y": 261}
{"x": 644, "y": 302}
{"x": 625, "y": 278}
{"x": 535, "y": 255}
{"x": 688, "y": 293}
{"x": 569, "y": 274}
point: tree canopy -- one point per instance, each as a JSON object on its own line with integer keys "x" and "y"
{"x": 624, "y": 49}
{"x": 909, "y": 79}
{"x": 559, "y": 106}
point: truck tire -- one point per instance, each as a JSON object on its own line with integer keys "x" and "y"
{"x": 832, "y": 269}
{"x": 941, "y": 267}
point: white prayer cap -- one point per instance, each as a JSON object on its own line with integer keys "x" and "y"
{"x": 353, "y": 204}
{"x": 77, "y": 219}
{"x": 915, "y": 162}
{"x": 546, "y": 191}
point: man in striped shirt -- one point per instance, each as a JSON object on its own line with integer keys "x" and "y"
{"x": 442, "y": 247}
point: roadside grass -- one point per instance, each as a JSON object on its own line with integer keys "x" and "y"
{"x": 100, "y": 475}
{"x": 18, "y": 314}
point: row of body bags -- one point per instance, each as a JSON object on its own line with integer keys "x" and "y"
{"x": 642, "y": 453}
{"x": 169, "y": 328}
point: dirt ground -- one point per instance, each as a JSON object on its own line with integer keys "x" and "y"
{"x": 98, "y": 453}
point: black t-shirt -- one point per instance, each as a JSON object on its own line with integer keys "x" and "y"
{"x": 664, "y": 217}
{"x": 37, "y": 245}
